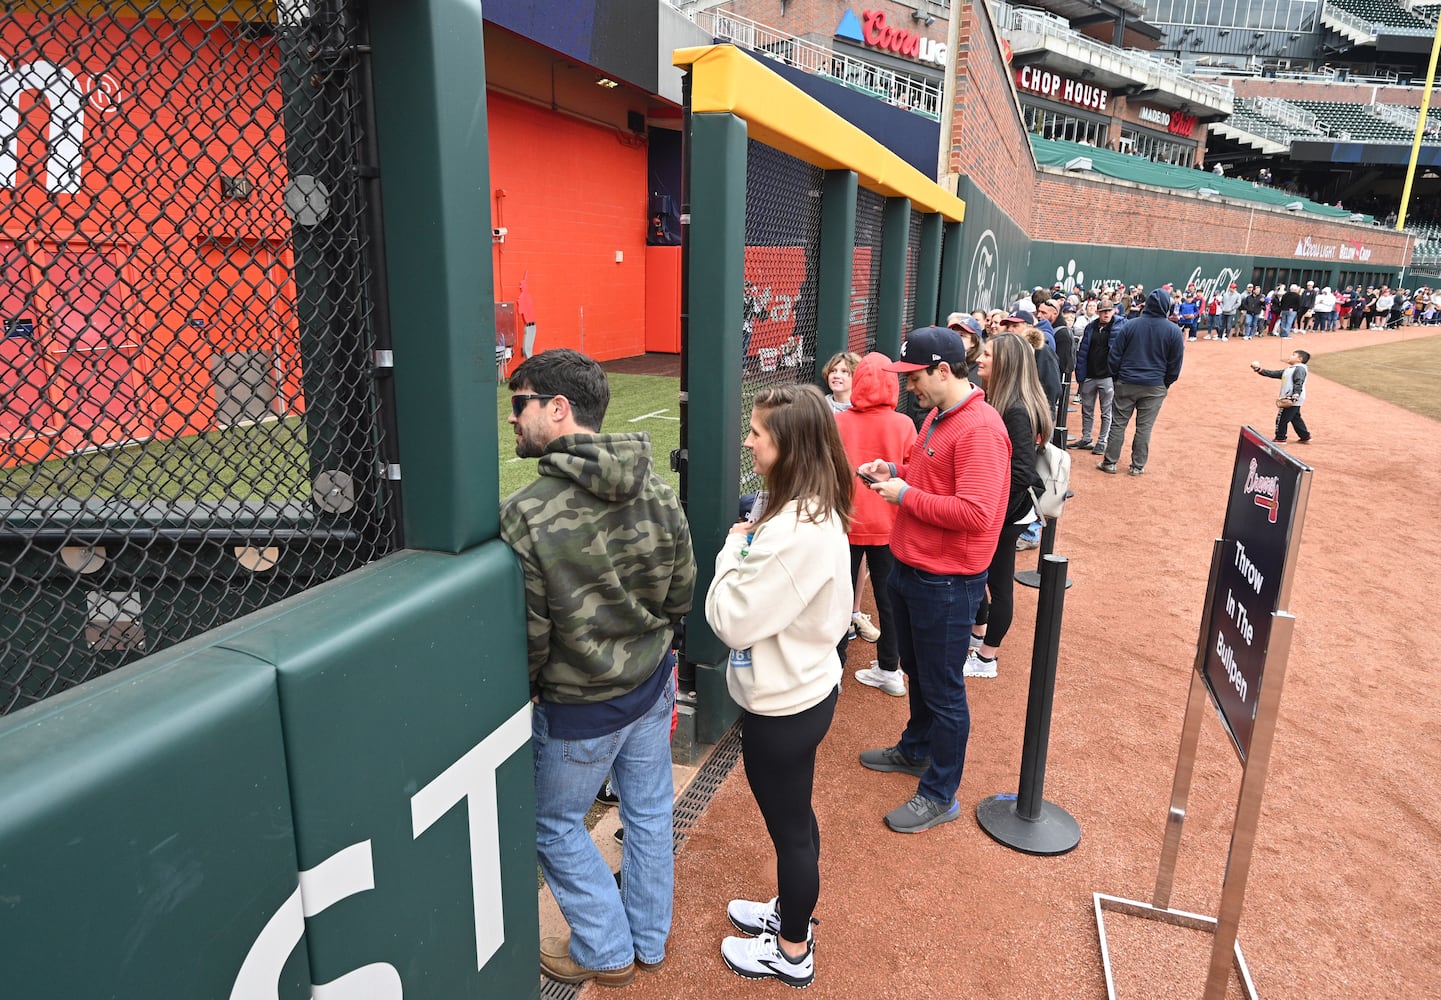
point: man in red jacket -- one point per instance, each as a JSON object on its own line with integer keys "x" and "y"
{"x": 951, "y": 496}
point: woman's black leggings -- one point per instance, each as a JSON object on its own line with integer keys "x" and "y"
{"x": 780, "y": 758}
{"x": 999, "y": 607}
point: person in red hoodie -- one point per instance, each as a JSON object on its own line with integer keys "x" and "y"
{"x": 951, "y": 499}
{"x": 872, "y": 428}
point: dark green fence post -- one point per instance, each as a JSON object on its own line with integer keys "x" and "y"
{"x": 929, "y": 307}
{"x": 838, "y": 247}
{"x": 952, "y": 257}
{"x": 321, "y": 199}
{"x": 715, "y": 282}
{"x": 434, "y": 161}
{"x": 895, "y": 240}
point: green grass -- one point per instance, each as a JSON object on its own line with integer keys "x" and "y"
{"x": 265, "y": 461}
{"x": 269, "y": 460}
{"x": 1406, "y": 373}
{"x": 648, "y": 403}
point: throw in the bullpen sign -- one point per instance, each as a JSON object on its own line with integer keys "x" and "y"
{"x": 1251, "y": 577}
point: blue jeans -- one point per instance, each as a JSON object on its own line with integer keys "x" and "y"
{"x": 1288, "y": 320}
{"x": 610, "y": 926}
{"x": 933, "y": 615}
{"x": 1251, "y": 320}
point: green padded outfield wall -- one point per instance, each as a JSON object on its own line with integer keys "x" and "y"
{"x": 405, "y": 701}
{"x": 995, "y": 256}
{"x": 145, "y": 826}
{"x": 336, "y": 790}
{"x": 1090, "y": 266}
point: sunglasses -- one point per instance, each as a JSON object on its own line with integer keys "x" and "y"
{"x": 518, "y": 403}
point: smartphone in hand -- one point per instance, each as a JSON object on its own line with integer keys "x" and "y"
{"x": 869, "y": 480}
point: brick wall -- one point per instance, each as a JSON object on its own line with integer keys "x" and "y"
{"x": 987, "y": 141}
{"x": 1108, "y": 212}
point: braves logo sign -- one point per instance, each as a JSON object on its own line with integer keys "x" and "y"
{"x": 1265, "y": 490}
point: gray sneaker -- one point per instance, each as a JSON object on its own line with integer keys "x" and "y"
{"x": 921, "y": 813}
{"x": 891, "y": 759}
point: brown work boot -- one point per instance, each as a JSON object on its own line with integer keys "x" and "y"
{"x": 556, "y": 963}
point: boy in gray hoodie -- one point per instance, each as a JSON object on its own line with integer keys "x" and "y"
{"x": 1293, "y": 388}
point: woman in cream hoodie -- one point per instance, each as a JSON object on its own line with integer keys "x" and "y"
{"x": 781, "y": 599}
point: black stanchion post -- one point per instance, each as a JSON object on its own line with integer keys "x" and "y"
{"x": 1026, "y": 821}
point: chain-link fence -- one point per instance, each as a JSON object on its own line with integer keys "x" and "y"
{"x": 908, "y": 404}
{"x": 194, "y": 350}
{"x": 782, "y": 269}
{"x": 866, "y": 273}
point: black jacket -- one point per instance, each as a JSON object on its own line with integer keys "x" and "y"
{"x": 1049, "y": 371}
{"x": 1093, "y": 360}
{"x": 1024, "y": 476}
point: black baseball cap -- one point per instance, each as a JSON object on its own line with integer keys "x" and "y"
{"x": 930, "y": 345}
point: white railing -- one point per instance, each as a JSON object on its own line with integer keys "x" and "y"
{"x": 1324, "y": 75}
{"x": 1357, "y": 24}
{"x": 1025, "y": 19}
{"x": 1256, "y": 124}
{"x": 1287, "y": 113}
{"x": 915, "y": 93}
{"x": 1396, "y": 115}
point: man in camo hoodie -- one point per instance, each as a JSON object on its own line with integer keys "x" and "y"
{"x": 606, "y": 555}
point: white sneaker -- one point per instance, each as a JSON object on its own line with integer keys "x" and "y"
{"x": 762, "y": 958}
{"x": 865, "y": 628}
{"x": 750, "y": 917}
{"x": 892, "y": 682}
{"x": 976, "y": 666}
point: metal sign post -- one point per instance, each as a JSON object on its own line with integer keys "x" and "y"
{"x": 1241, "y": 657}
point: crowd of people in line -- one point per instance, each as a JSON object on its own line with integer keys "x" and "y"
{"x": 932, "y": 511}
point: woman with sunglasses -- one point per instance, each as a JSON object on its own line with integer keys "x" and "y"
{"x": 781, "y": 599}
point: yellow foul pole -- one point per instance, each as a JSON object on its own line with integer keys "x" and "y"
{"x": 1420, "y": 127}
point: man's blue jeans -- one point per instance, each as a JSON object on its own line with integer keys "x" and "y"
{"x": 1288, "y": 320}
{"x": 1251, "y": 320}
{"x": 934, "y": 614}
{"x": 609, "y": 926}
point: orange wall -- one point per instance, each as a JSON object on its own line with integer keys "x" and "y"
{"x": 574, "y": 194}
{"x": 154, "y": 136}
{"x": 662, "y": 300}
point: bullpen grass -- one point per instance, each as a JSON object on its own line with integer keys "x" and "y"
{"x": 1406, "y": 373}
{"x": 648, "y": 403}
{"x": 264, "y": 461}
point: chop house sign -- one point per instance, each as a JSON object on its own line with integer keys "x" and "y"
{"x": 1035, "y": 80}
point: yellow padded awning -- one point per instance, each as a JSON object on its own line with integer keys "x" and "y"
{"x": 726, "y": 80}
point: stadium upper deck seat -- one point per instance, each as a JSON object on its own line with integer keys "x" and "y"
{"x": 1354, "y": 122}
{"x": 1385, "y": 12}
{"x": 1428, "y": 241}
